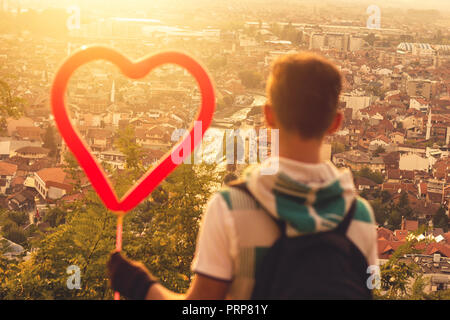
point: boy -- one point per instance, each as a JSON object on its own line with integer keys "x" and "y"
{"x": 309, "y": 195}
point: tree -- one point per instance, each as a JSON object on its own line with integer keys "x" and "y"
{"x": 10, "y": 105}
{"x": 370, "y": 39}
{"x": 385, "y": 196}
{"x": 380, "y": 211}
{"x": 84, "y": 241}
{"x": 126, "y": 143}
{"x": 72, "y": 168}
{"x": 337, "y": 147}
{"x": 365, "y": 172}
{"x": 402, "y": 279}
{"x": 50, "y": 142}
{"x": 378, "y": 151}
{"x": 55, "y": 217}
{"x": 217, "y": 63}
{"x": 18, "y": 217}
{"x": 440, "y": 219}
{"x": 17, "y": 235}
{"x": 403, "y": 205}
{"x": 169, "y": 257}
{"x": 396, "y": 274}
{"x": 250, "y": 79}
{"x": 395, "y": 219}
{"x": 161, "y": 232}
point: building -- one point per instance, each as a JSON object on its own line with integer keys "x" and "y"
{"x": 31, "y": 152}
{"x": 355, "y": 102}
{"x": 52, "y": 183}
{"x": 316, "y": 41}
{"x": 413, "y": 161}
{"x": 7, "y": 173}
{"x": 356, "y": 160}
{"x": 420, "y": 88}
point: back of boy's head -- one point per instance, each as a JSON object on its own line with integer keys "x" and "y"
{"x": 303, "y": 90}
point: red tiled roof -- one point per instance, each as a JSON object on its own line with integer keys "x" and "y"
{"x": 393, "y": 174}
{"x": 7, "y": 169}
{"x": 447, "y": 237}
{"x": 401, "y": 234}
{"x": 362, "y": 181}
{"x": 433, "y": 247}
{"x": 407, "y": 174}
{"x": 57, "y": 175}
{"x": 29, "y": 132}
{"x": 384, "y": 233}
{"x": 18, "y": 180}
{"x": 386, "y": 247}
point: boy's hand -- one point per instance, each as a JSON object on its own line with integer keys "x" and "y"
{"x": 131, "y": 279}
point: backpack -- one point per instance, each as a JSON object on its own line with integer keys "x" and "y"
{"x": 324, "y": 265}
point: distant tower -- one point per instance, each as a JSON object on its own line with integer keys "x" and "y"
{"x": 436, "y": 61}
{"x": 113, "y": 92}
{"x": 428, "y": 126}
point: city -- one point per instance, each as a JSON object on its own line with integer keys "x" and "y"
{"x": 395, "y": 136}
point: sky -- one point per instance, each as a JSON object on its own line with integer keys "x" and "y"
{"x": 442, "y": 5}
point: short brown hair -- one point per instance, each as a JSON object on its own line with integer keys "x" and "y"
{"x": 303, "y": 90}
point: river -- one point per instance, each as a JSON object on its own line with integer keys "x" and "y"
{"x": 212, "y": 141}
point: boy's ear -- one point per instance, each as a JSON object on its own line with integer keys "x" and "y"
{"x": 269, "y": 116}
{"x": 336, "y": 124}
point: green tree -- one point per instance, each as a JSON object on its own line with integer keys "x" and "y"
{"x": 169, "y": 257}
{"x": 250, "y": 79}
{"x": 10, "y": 105}
{"x": 440, "y": 219}
{"x": 337, "y": 147}
{"x": 126, "y": 143}
{"x": 395, "y": 219}
{"x": 380, "y": 211}
{"x": 16, "y": 234}
{"x": 217, "y": 63}
{"x": 55, "y": 216}
{"x": 385, "y": 196}
{"x": 160, "y": 232}
{"x": 403, "y": 206}
{"x": 403, "y": 279}
{"x": 378, "y": 151}
{"x": 72, "y": 168}
{"x": 50, "y": 142}
{"x": 396, "y": 273}
{"x": 365, "y": 172}
{"x": 370, "y": 39}
{"x": 18, "y": 217}
{"x": 85, "y": 241}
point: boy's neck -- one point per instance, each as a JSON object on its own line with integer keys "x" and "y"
{"x": 299, "y": 149}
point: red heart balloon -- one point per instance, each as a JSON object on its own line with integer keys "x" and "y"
{"x": 134, "y": 70}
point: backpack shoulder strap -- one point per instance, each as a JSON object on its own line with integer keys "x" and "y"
{"x": 343, "y": 226}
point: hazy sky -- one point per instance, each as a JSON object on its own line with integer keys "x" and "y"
{"x": 442, "y": 5}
